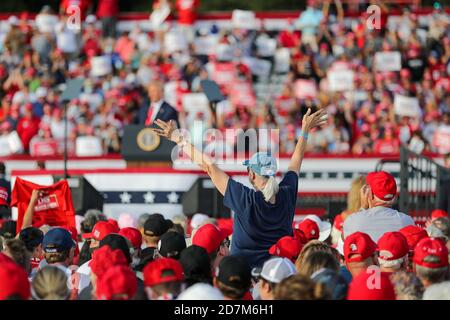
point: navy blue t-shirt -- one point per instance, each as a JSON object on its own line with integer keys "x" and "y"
{"x": 259, "y": 224}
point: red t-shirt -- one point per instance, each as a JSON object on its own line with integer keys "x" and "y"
{"x": 107, "y": 8}
{"x": 55, "y": 208}
{"x": 186, "y": 11}
{"x": 386, "y": 146}
{"x": 27, "y": 129}
{"x": 82, "y": 4}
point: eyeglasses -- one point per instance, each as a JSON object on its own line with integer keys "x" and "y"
{"x": 226, "y": 242}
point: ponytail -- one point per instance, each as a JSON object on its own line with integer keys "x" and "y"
{"x": 270, "y": 189}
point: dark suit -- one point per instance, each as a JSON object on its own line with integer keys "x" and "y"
{"x": 166, "y": 112}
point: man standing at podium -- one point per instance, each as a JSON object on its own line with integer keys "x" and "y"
{"x": 156, "y": 108}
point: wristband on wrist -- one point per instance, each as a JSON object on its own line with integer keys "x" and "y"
{"x": 304, "y": 135}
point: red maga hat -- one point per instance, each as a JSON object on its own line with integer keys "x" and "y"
{"x": 13, "y": 281}
{"x": 413, "y": 235}
{"x": 287, "y": 247}
{"x": 439, "y": 213}
{"x": 118, "y": 283}
{"x": 161, "y": 271}
{"x": 104, "y": 258}
{"x": 392, "y": 246}
{"x": 209, "y": 237}
{"x": 382, "y": 184}
{"x": 101, "y": 229}
{"x": 133, "y": 235}
{"x": 310, "y": 229}
{"x": 431, "y": 253}
{"x": 360, "y": 246}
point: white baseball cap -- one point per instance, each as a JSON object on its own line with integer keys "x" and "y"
{"x": 324, "y": 226}
{"x": 198, "y": 219}
{"x": 275, "y": 270}
{"x": 201, "y": 291}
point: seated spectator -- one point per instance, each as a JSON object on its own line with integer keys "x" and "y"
{"x": 336, "y": 285}
{"x": 163, "y": 279}
{"x": 59, "y": 249}
{"x": 287, "y": 247}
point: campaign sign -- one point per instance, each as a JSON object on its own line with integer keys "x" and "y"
{"x": 406, "y": 106}
{"x": 243, "y": 19}
{"x": 101, "y": 66}
{"x": 340, "y": 80}
{"x": 305, "y": 89}
{"x": 388, "y": 61}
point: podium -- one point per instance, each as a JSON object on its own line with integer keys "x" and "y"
{"x": 141, "y": 147}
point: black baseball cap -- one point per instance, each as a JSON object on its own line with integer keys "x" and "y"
{"x": 8, "y": 229}
{"x": 171, "y": 244}
{"x": 57, "y": 240}
{"x": 31, "y": 237}
{"x": 147, "y": 255}
{"x": 156, "y": 225}
{"x": 235, "y": 272}
{"x": 196, "y": 264}
{"x": 116, "y": 241}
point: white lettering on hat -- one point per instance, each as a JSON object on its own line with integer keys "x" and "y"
{"x": 159, "y": 245}
{"x": 353, "y": 247}
{"x": 313, "y": 232}
{"x": 388, "y": 196}
{"x": 96, "y": 233}
{"x": 385, "y": 254}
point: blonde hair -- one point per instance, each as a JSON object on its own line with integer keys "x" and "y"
{"x": 354, "y": 195}
{"x": 271, "y": 189}
{"x": 311, "y": 247}
{"x": 50, "y": 283}
{"x": 300, "y": 287}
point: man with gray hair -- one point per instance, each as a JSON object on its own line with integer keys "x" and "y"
{"x": 377, "y": 217}
{"x": 393, "y": 252}
{"x": 430, "y": 261}
{"x": 440, "y": 228}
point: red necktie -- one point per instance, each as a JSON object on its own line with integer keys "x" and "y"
{"x": 149, "y": 121}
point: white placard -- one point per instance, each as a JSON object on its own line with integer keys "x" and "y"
{"x": 101, "y": 66}
{"x": 258, "y": 67}
{"x": 4, "y": 146}
{"x": 388, "y": 61}
{"x": 195, "y": 102}
{"x": 406, "y": 106}
{"x": 341, "y": 80}
{"x": 224, "y": 52}
{"x": 206, "y": 45}
{"x": 174, "y": 41}
{"x": 88, "y": 147}
{"x": 14, "y": 142}
{"x": 244, "y": 19}
{"x": 305, "y": 89}
{"x": 282, "y": 60}
{"x": 266, "y": 46}
{"x": 159, "y": 16}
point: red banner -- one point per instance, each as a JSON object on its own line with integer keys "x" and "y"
{"x": 55, "y": 208}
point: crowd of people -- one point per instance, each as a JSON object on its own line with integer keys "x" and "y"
{"x": 370, "y": 252}
{"x": 39, "y": 55}
{"x": 153, "y": 258}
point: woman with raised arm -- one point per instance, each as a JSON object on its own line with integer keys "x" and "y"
{"x": 261, "y": 216}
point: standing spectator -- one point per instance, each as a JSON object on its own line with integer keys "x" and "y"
{"x": 377, "y": 198}
{"x": 256, "y": 213}
{"x": 107, "y": 12}
{"x": 15, "y": 38}
{"x": 309, "y": 22}
{"x": 359, "y": 253}
{"x": 186, "y": 17}
{"x": 393, "y": 252}
{"x": 163, "y": 279}
{"x": 50, "y": 283}
{"x": 28, "y": 126}
{"x": 196, "y": 265}
{"x": 271, "y": 274}
{"x": 300, "y": 287}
